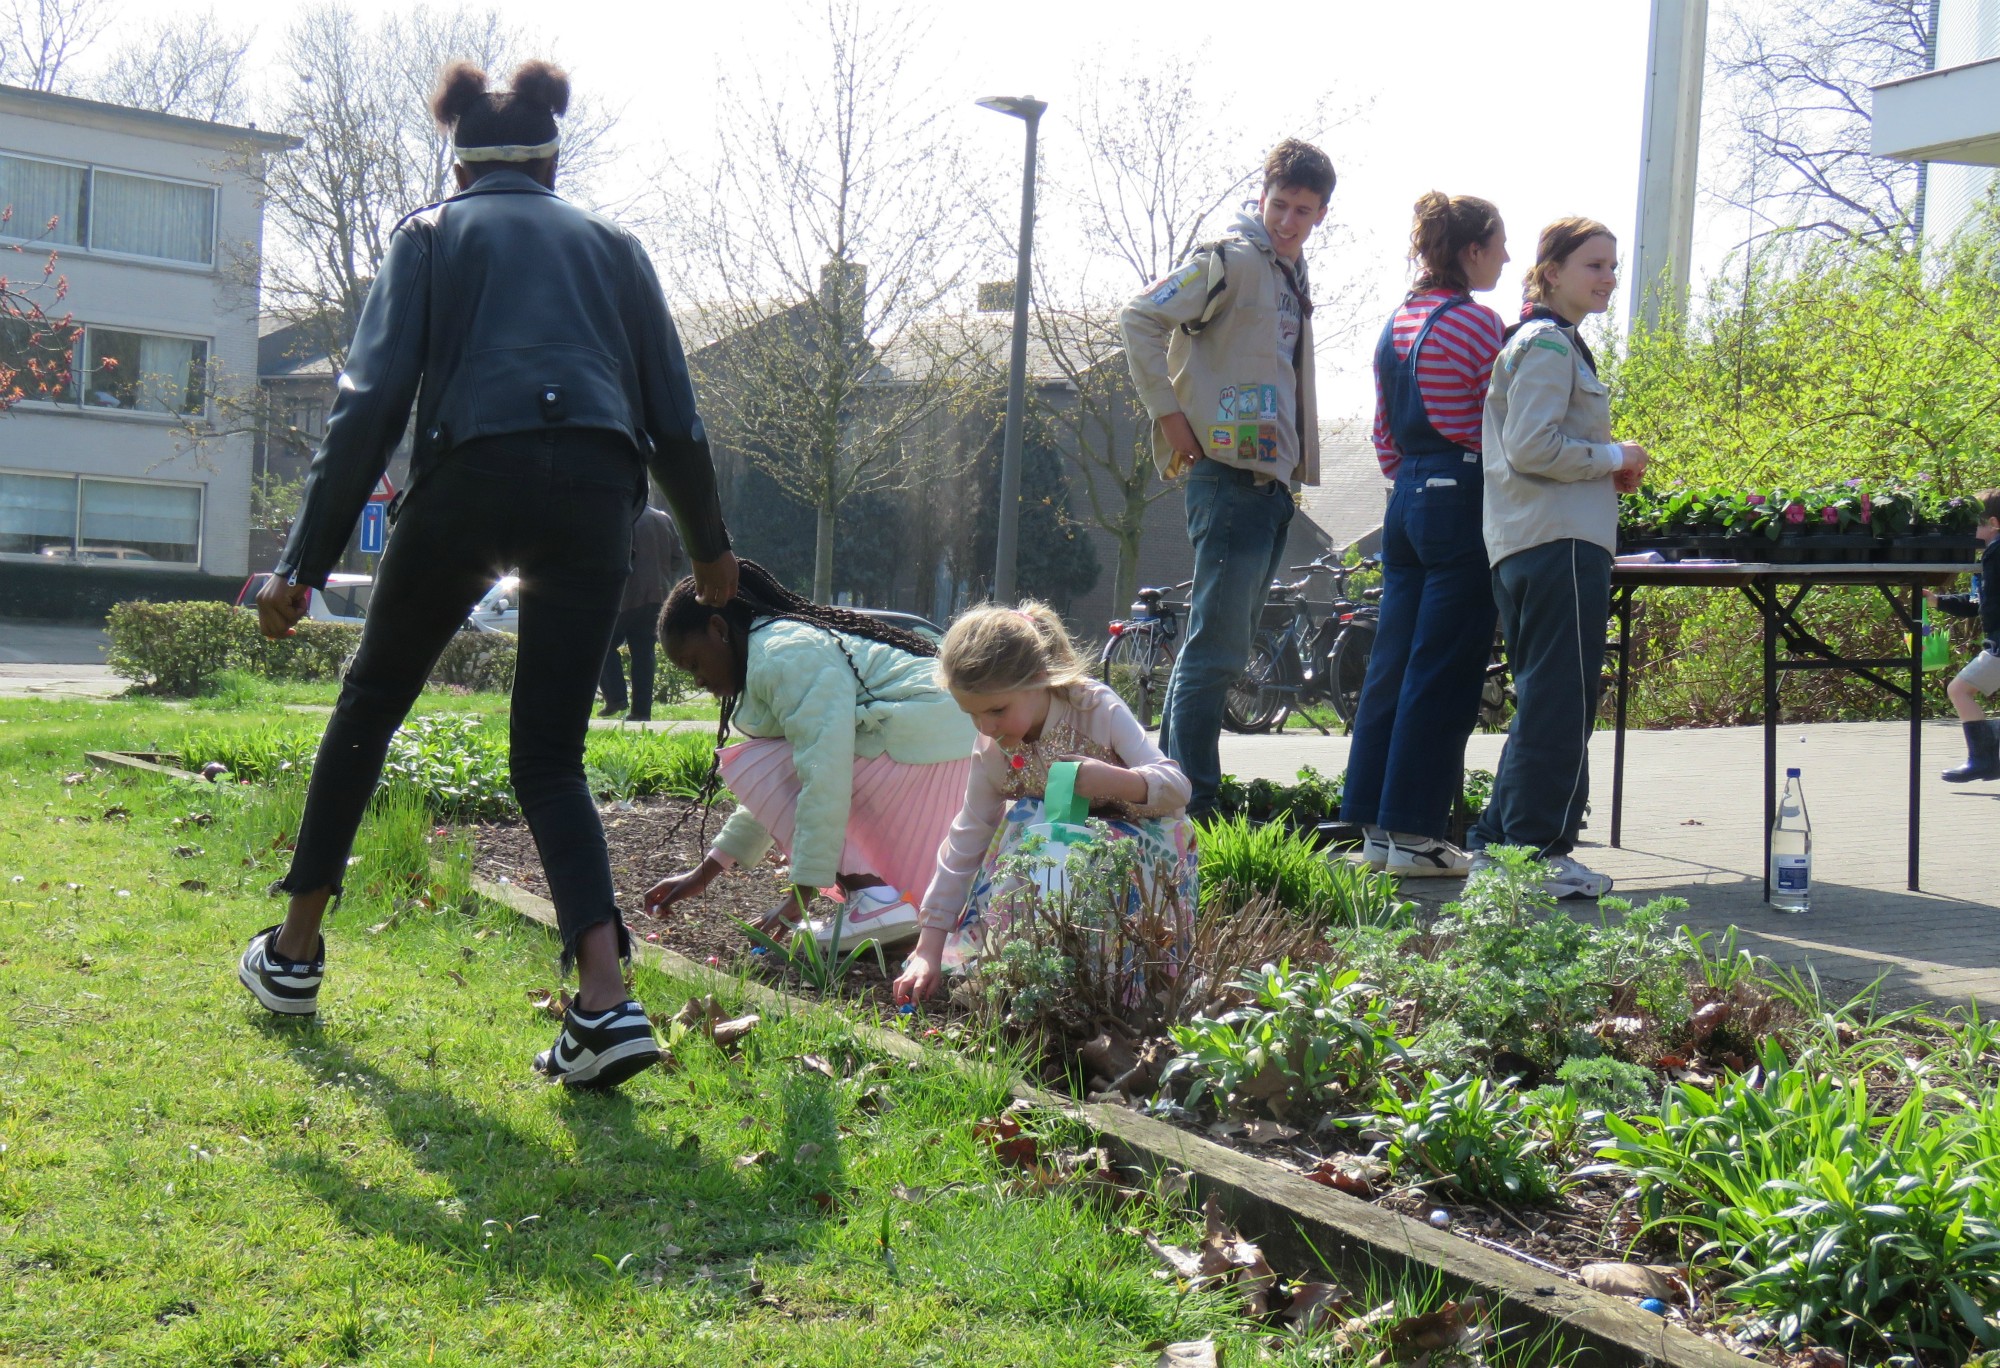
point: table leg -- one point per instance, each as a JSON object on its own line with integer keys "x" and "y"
{"x": 1622, "y": 606}
{"x": 1767, "y": 600}
{"x": 1916, "y": 723}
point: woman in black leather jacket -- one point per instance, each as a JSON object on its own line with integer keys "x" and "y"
{"x": 547, "y": 377}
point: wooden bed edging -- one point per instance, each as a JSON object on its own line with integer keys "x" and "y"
{"x": 1298, "y": 1223}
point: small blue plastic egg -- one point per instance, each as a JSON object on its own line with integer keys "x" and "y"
{"x": 1655, "y": 1305}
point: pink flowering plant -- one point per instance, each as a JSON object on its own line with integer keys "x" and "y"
{"x": 1847, "y": 508}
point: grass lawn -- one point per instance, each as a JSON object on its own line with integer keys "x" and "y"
{"x": 185, "y": 1180}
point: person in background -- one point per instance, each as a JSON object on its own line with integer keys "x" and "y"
{"x": 1221, "y": 353}
{"x": 535, "y": 343}
{"x": 656, "y": 553}
{"x": 1553, "y": 477}
{"x": 1981, "y": 674}
{"x": 855, "y": 761}
{"x": 1421, "y": 695}
{"x": 1017, "y": 675}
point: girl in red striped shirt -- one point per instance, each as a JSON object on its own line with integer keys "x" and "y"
{"x": 1421, "y": 695}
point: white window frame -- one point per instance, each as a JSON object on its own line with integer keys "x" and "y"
{"x": 79, "y": 372}
{"x": 90, "y": 170}
{"x": 76, "y": 478}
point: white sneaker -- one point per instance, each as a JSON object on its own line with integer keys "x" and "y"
{"x": 880, "y": 914}
{"x": 1375, "y": 848}
{"x": 1426, "y": 857}
{"x": 1568, "y": 879}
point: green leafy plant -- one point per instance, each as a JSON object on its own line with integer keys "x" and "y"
{"x": 824, "y": 969}
{"x": 1831, "y": 1219}
{"x": 1302, "y": 1040}
{"x": 1468, "y": 1134}
{"x": 1242, "y": 860}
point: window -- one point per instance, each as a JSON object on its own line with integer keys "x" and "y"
{"x": 37, "y": 514}
{"x": 126, "y": 520}
{"x": 32, "y": 193}
{"x": 35, "y": 359}
{"x": 107, "y": 211}
{"x": 73, "y": 517}
{"x": 143, "y": 372}
{"x": 141, "y": 216}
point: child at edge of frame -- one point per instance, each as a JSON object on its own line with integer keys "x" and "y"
{"x": 1016, "y": 673}
{"x": 1981, "y": 674}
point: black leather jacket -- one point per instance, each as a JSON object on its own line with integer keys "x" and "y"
{"x": 506, "y": 309}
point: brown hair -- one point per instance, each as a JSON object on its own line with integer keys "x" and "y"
{"x": 991, "y": 649}
{"x": 1445, "y": 225}
{"x": 1295, "y": 165}
{"x": 524, "y": 116}
{"x": 1559, "y": 243}
{"x": 1989, "y": 499}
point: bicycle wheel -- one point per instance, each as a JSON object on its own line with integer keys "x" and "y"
{"x": 1350, "y": 667}
{"x": 1132, "y": 667}
{"x": 1252, "y": 705}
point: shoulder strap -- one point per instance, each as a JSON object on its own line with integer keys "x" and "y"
{"x": 1218, "y": 281}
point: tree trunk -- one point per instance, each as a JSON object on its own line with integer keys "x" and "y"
{"x": 822, "y": 591}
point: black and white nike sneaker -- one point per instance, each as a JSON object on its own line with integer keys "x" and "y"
{"x": 288, "y": 987}
{"x": 601, "y": 1050}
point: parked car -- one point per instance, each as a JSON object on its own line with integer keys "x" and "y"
{"x": 909, "y": 622}
{"x": 345, "y": 598}
{"x": 500, "y": 609}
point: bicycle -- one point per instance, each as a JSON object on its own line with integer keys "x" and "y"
{"x": 1357, "y": 644}
{"x": 1300, "y": 663}
{"x": 1138, "y": 658}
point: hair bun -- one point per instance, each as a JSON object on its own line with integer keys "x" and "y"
{"x": 461, "y": 85}
{"x": 543, "y": 83}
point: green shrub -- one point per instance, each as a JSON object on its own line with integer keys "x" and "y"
{"x": 1302, "y": 1040}
{"x": 1243, "y": 860}
{"x": 1829, "y": 1218}
{"x": 1468, "y": 1134}
{"x": 480, "y": 661}
{"x": 172, "y": 648}
{"x": 1602, "y": 1083}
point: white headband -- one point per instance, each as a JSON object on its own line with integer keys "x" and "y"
{"x": 511, "y": 153}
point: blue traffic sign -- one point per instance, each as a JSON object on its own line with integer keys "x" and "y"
{"x": 374, "y": 529}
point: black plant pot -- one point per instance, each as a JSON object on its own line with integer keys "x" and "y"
{"x": 1930, "y": 548}
{"x": 1730, "y": 547}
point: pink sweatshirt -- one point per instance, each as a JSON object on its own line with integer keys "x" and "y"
{"x": 1086, "y": 719}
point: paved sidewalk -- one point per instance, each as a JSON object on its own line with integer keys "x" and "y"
{"x": 1693, "y": 829}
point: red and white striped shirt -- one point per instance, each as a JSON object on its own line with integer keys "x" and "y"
{"x": 1452, "y": 373}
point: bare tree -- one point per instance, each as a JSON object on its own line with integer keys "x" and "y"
{"x": 190, "y": 65}
{"x": 359, "y": 98}
{"x": 1153, "y": 175}
{"x": 1796, "y": 77}
{"x": 822, "y": 248}
{"x": 40, "y": 40}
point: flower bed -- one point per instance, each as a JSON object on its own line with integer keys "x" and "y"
{"x": 1839, "y": 523}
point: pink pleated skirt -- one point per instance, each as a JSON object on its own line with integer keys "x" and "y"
{"x": 901, "y": 813}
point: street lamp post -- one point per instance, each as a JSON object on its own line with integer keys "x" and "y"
{"x": 1007, "y": 535}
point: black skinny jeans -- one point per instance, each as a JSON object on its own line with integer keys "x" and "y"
{"x": 559, "y": 507}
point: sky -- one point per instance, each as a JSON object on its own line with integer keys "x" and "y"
{"x": 1534, "y": 104}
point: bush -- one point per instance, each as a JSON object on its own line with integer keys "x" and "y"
{"x": 1242, "y": 861}
{"x": 181, "y": 649}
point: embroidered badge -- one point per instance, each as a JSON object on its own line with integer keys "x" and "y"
{"x": 1164, "y": 289}
{"x": 1547, "y": 343}
{"x": 1267, "y": 401}
{"x": 1222, "y": 438}
{"x": 1225, "y": 404}
{"x": 1246, "y": 439}
{"x": 1267, "y": 442}
{"x": 1248, "y": 404}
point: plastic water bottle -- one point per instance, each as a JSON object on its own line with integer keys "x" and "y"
{"x": 1791, "y": 850}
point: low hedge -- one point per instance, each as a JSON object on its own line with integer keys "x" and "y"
{"x": 181, "y": 648}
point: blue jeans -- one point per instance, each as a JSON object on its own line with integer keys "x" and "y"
{"x": 1554, "y": 600}
{"x": 1238, "y": 528}
{"x": 1421, "y": 697}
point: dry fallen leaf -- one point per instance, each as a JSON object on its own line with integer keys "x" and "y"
{"x": 697, "y": 1010}
{"x": 727, "y": 1033}
{"x": 818, "y": 1065}
{"x": 758, "y": 1159}
{"x": 806, "y": 1153}
{"x": 1630, "y": 1280}
{"x": 1347, "y": 1178}
{"x": 555, "y": 1004}
{"x": 1455, "y": 1325}
{"x": 1190, "y": 1354}
{"x": 1270, "y": 1132}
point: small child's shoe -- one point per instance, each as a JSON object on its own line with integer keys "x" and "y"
{"x": 880, "y": 914}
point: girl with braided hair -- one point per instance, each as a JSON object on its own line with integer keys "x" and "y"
{"x": 856, "y": 758}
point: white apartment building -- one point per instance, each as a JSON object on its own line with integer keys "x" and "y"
{"x": 157, "y": 229}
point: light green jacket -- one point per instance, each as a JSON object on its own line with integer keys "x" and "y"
{"x": 800, "y": 686}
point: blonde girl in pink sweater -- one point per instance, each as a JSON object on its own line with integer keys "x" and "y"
{"x": 1016, "y": 673}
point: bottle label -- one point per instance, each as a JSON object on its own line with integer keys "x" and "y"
{"x": 1791, "y": 873}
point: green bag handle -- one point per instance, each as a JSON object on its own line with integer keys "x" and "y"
{"x": 1060, "y": 803}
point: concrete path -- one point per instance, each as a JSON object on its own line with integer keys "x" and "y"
{"x": 55, "y": 660}
{"x": 1693, "y": 829}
